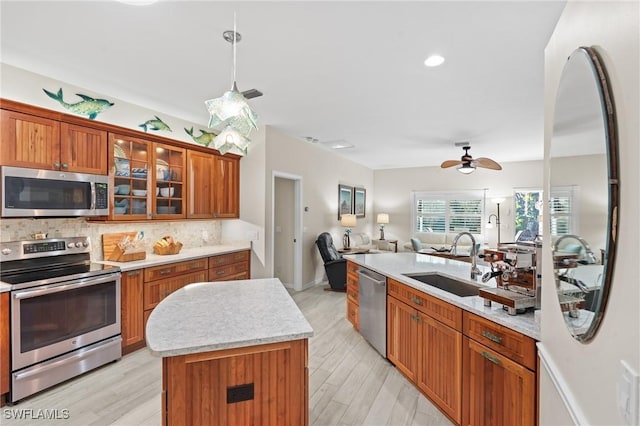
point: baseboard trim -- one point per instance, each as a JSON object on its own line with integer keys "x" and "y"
{"x": 569, "y": 401}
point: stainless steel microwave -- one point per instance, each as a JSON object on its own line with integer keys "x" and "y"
{"x": 45, "y": 193}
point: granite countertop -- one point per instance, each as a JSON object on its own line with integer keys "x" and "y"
{"x": 394, "y": 265}
{"x": 204, "y": 317}
{"x": 185, "y": 254}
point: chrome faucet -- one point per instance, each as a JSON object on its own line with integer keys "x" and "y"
{"x": 591, "y": 258}
{"x": 475, "y": 271}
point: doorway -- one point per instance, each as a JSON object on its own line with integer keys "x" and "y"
{"x": 286, "y": 229}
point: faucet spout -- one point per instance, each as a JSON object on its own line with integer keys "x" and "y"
{"x": 475, "y": 271}
{"x": 590, "y": 257}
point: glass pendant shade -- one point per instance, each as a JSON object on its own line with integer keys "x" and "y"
{"x": 232, "y": 109}
{"x": 230, "y": 138}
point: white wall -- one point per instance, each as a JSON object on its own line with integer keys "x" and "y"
{"x": 587, "y": 374}
{"x": 394, "y": 186}
{"x": 322, "y": 171}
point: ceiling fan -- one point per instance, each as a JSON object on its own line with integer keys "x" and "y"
{"x": 468, "y": 164}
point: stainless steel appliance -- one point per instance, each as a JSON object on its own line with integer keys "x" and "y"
{"x": 43, "y": 193}
{"x": 372, "y": 299}
{"x": 515, "y": 268}
{"x": 64, "y": 309}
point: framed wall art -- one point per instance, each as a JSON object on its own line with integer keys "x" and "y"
{"x": 359, "y": 201}
{"x": 345, "y": 200}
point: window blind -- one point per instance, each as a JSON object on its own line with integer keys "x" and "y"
{"x": 448, "y": 212}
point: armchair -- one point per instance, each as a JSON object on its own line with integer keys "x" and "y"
{"x": 334, "y": 264}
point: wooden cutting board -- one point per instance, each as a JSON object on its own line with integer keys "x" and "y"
{"x": 112, "y": 252}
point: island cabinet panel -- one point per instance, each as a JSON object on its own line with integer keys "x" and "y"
{"x": 402, "y": 337}
{"x": 259, "y": 385}
{"x": 155, "y": 291}
{"x": 499, "y": 391}
{"x": 4, "y": 345}
{"x": 29, "y": 141}
{"x": 231, "y": 266}
{"x": 353, "y": 292}
{"x": 83, "y": 150}
{"x": 132, "y": 310}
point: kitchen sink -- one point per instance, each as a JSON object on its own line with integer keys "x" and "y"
{"x": 447, "y": 284}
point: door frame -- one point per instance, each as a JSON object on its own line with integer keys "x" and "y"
{"x": 297, "y": 226}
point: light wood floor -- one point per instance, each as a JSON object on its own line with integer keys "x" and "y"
{"x": 349, "y": 383}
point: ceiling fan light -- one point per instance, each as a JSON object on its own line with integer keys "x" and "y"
{"x": 466, "y": 169}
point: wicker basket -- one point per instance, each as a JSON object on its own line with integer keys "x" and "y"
{"x": 173, "y": 248}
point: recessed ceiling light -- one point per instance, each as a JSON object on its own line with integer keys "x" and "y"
{"x": 337, "y": 144}
{"x": 434, "y": 61}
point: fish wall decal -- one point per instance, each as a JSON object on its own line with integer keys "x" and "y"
{"x": 205, "y": 138}
{"x": 87, "y": 106}
{"x": 155, "y": 124}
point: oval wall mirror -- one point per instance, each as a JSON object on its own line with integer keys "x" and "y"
{"x": 583, "y": 204}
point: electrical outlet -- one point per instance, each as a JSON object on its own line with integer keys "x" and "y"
{"x": 627, "y": 394}
{"x": 205, "y": 235}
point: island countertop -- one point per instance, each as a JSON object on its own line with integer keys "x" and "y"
{"x": 395, "y": 265}
{"x": 204, "y": 317}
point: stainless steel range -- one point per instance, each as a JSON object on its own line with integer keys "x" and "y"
{"x": 65, "y": 311}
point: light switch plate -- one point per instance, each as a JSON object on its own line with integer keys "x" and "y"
{"x": 628, "y": 395}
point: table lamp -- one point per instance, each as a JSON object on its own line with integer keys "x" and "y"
{"x": 348, "y": 221}
{"x": 383, "y": 219}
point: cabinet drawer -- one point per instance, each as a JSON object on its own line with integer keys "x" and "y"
{"x": 442, "y": 311}
{"x": 352, "y": 292}
{"x": 353, "y": 280}
{"x": 352, "y": 268}
{"x": 227, "y": 259}
{"x": 513, "y": 345}
{"x": 224, "y": 272}
{"x": 155, "y": 291}
{"x": 173, "y": 269}
{"x": 352, "y": 314}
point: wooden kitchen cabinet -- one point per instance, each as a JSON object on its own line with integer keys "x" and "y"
{"x": 230, "y": 266}
{"x": 4, "y": 345}
{"x": 132, "y": 310}
{"x": 499, "y": 373}
{"x": 168, "y": 192}
{"x": 424, "y": 342}
{"x": 498, "y": 391}
{"x": 353, "y": 294}
{"x": 42, "y": 143}
{"x": 129, "y": 162}
{"x": 226, "y": 200}
{"x": 213, "y": 185}
{"x": 402, "y": 337}
{"x": 200, "y": 185}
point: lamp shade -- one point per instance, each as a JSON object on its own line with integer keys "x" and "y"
{"x": 498, "y": 200}
{"x": 348, "y": 220}
{"x": 383, "y": 218}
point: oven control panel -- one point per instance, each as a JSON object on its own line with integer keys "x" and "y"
{"x": 17, "y": 250}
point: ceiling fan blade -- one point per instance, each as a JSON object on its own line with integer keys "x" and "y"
{"x": 251, "y": 93}
{"x": 487, "y": 163}
{"x": 450, "y": 163}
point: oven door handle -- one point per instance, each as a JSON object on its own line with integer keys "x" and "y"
{"x": 83, "y": 282}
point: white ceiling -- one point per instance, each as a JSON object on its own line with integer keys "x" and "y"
{"x": 349, "y": 71}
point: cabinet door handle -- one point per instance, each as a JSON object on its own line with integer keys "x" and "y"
{"x": 194, "y": 266}
{"x": 491, "y": 358}
{"x": 164, "y": 271}
{"x": 416, "y": 300}
{"x": 65, "y": 166}
{"x": 352, "y": 295}
{"x": 56, "y": 165}
{"x": 416, "y": 318}
{"x": 133, "y": 273}
{"x": 492, "y": 336}
{"x": 220, "y": 272}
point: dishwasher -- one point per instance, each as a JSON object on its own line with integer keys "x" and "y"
{"x": 373, "y": 309}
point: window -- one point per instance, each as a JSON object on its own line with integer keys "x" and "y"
{"x": 444, "y": 212}
{"x": 562, "y": 210}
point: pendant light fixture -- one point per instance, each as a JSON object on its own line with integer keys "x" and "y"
{"x": 231, "y": 115}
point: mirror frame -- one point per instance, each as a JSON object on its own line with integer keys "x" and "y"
{"x": 607, "y": 108}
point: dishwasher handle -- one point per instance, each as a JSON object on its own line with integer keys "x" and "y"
{"x": 373, "y": 277}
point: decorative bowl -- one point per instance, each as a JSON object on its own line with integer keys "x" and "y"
{"x": 166, "y": 209}
{"x": 139, "y": 192}
{"x": 166, "y": 192}
{"x": 122, "y": 189}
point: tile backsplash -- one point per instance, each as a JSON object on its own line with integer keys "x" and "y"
{"x": 191, "y": 233}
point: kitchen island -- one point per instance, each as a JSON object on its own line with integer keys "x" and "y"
{"x": 233, "y": 353}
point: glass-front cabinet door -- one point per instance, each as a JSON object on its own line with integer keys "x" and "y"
{"x": 168, "y": 178}
{"x": 129, "y": 164}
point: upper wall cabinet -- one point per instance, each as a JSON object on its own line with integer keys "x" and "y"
{"x": 41, "y": 143}
{"x": 214, "y": 186}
